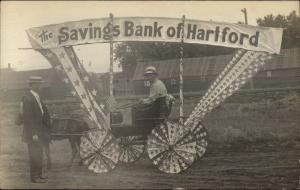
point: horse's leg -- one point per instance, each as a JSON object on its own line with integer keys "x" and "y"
{"x": 78, "y": 150}
{"x": 73, "y": 148}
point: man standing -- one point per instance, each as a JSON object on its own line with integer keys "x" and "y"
{"x": 36, "y": 129}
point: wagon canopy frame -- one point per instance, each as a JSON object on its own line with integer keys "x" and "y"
{"x": 55, "y": 42}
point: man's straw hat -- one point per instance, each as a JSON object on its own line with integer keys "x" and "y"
{"x": 150, "y": 70}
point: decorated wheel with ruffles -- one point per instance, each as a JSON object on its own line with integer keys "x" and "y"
{"x": 200, "y": 133}
{"x": 171, "y": 147}
{"x": 131, "y": 148}
{"x": 99, "y": 150}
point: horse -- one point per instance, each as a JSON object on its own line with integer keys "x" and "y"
{"x": 70, "y": 128}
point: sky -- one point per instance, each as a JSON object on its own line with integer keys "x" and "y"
{"x": 17, "y": 16}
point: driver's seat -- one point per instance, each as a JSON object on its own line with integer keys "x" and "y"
{"x": 158, "y": 111}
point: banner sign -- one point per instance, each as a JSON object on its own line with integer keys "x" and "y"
{"x": 157, "y": 29}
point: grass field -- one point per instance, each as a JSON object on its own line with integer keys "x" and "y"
{"x": 252, "y": 144}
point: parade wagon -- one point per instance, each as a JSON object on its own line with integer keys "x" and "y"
{"x": 172, "y": 144}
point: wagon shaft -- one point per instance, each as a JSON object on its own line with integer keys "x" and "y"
{"x": 68, "y": 126}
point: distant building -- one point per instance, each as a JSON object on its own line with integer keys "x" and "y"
{"x": 199, "y": 73}
{"x": 122, "y": 83}
{"x": 11, "y": 79}
{"x": 281, "y": 71}
{"x": 13, "y": 83}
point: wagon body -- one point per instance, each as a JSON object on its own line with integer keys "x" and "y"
{"x": 144, "y": 133}
{"x": 74, "y": 124}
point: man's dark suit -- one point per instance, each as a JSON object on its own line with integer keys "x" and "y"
{"x": 35, "y": 123}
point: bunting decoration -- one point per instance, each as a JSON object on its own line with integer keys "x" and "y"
{"x": 199, "y": 132}
{"x": 99, "y": 151}
{"x": 240, "y": 69}
{"x": 131, "y": 148}
{"x": 96, "y": 142}
{"x": 171, "y": 147}
{"x": 65, "y": 62}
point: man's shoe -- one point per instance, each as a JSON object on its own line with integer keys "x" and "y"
{"x": 38, "y": 180}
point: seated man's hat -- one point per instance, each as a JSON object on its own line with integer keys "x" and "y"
{"x": 150, "y": 70}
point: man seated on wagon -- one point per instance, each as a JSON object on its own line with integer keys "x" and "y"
{"x": 157, "y": 104}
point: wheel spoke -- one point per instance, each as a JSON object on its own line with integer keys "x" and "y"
{"x": 99, "y": 150}
{"x": 131, "y": 147}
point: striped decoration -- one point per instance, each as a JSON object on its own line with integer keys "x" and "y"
{"x": 131, "y": 148}
{"x": 68, "y": 65}
{"x": 199, "y": 132}
{"x": 243, "y": 66}
{"x": 99, "y": 150}
{"x": 171, "y": 147}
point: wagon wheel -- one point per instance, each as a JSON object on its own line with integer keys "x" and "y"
{"x": 131, "y": 148}
{"x": 99, "y": 150}
{"x": 201, "y": 135}
{"x": 171, "y": 147}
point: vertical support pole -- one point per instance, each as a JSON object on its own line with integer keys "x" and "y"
{"x": 181, "y": 72}
{"x": 244, "y": 10}
{"x": 111, "y": 65}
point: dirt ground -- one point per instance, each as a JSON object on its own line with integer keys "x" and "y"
{"x": 251, "y": 147}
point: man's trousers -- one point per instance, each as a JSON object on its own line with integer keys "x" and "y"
{"x": 35, "y": 150}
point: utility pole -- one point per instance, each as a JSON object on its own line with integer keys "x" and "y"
{"x": 244, "y": 10}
